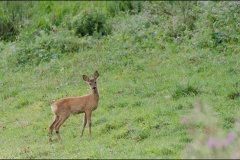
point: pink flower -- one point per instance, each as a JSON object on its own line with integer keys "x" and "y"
{"x": 230, "y": 137}
{"x": 212, "y": 143}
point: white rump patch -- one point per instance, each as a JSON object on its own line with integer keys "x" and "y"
{"x": 54, "y": 108}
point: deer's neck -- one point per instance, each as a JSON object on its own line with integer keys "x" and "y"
{"x": 95, "y": 94}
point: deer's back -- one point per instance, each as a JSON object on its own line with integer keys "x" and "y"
{"x": 75, "y": 105}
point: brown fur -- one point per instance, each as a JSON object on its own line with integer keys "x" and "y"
{"x": 76, "y": 105}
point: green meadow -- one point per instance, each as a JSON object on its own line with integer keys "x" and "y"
{"x": 169, "y": 79}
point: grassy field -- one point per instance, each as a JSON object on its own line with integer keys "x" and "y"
{"x": 169, "y": 78}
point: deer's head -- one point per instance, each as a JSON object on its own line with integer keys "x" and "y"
{"x": 92, "y": 81}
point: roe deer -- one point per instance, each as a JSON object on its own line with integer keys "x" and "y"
{"x": 75, "y": 105}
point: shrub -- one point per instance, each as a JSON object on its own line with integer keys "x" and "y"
{"x": 11, "y": 16}
{"x": 114, "y": 8}
{"x": 181, "y": 16}
{"x": 8, "y": 30}
{"x": 217, "y": 27}
{"x": 47, "y": 47}
{"x": 90, "y": 23}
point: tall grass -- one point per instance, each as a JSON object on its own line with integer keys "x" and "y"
{"x": 210, "y": 139}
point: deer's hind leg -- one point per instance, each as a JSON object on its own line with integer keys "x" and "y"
{"x": 52, "y": 126}
{"x": 61, "y": 120}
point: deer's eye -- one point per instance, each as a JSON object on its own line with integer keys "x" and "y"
{"x": 95, "y": 82}
{"x": 90, "y": 84}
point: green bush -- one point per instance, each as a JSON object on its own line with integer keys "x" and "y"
{"x": 90, "y": 23}
{"x": 114, "y": 8}
{"x": 47, "y": 47}
{"x": 181, "y": 17}
{"x": 217, "y": 26}
{"x": 8, "y": 30}
{"x": 11, "y": 16}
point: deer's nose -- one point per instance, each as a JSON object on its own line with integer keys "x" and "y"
{"x": 94, "y": 87}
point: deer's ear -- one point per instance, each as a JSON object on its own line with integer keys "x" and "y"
{"x": 96, "y": 74}
{"x": 86, "y": 78}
